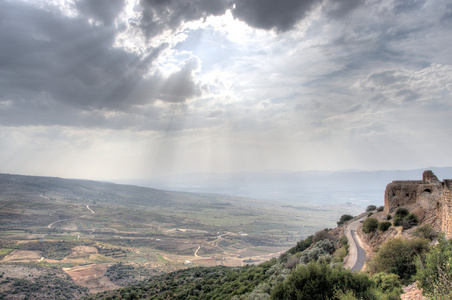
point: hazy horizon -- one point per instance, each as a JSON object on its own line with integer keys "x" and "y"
{"x": 126, "y": 89}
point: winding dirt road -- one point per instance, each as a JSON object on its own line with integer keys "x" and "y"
{"x": 51, "y": 224}
{"x": 196, "y": 252}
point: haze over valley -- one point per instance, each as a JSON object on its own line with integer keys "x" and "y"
{"x": 315, "y": 188}
{"x": 140, "y": 137}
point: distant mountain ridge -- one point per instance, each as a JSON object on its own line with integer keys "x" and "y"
{"x": 316, "y": 187}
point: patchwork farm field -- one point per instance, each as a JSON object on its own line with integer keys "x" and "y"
{"x": 102, "y": 235}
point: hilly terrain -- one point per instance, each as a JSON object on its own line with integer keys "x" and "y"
{"x": 79, "y": 229}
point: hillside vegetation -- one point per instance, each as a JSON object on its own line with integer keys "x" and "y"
{"x": 310, "y": 270}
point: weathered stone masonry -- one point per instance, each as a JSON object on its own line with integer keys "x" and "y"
{"x": 429, "y": 198}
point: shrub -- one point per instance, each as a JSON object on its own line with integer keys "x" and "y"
{"x": 371, "y": 208}
{"x": 320, "y": 281}
{"x": 388, "y": 217}
{"x": 312, "y": 255}
{"x": 403, "y": 218}
{"x": 302, "y": 245}
{"x": 388, "y": 284}
{"x": 409, "y": 221}
{"x": 369, "y": 214}
{"x": 397, "y": 221}
{"x": 383, "y": 226}
{"x": 402, "y": 213}
{"x": 397, "y": 256}
{"x": 327, "y": 245}
{"x": 322, "y": 235}
{"x": 425, "y": 232}
{"x": 340, "y": 254}
{"x": 343, "y": 219}
{"x": 435, "y": 274}
{"x": 380, "y": 208}
{"x": 343, "y": 240}
{"x": 321, "y": 248}
{"x": 369, "y": 225}
{"x": 292, "y": 262}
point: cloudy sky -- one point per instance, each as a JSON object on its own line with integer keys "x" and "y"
{"x": 117, "y": 89}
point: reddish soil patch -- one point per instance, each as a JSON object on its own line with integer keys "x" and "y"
{"x": 22, "y": 256}
{"x": 92, "y": 277}
{"x": 82, "y": 252}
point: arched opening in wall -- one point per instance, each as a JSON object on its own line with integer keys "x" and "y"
{"x": 428, "y": 191}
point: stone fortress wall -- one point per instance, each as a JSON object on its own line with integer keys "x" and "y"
{"x": 429, "y": 198}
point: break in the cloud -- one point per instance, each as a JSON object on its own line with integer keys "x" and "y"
{"x": 138, "y": 88}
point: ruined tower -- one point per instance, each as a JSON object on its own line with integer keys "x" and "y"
{"x": 429, "y": 198}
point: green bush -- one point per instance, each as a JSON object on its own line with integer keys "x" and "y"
{"x": 320, "y": 281}
{"x": 403, "y": 218}
{"x": 322, "y": 235}
{"x": 425, "y": 232}
{"x": 397, "y": 221}
{"x": 388, "y": 217}
{"x": 402, "y": 213}
{"x": 343, "y": 240}
{"x": 371, "y": 208}
{"x": 387, "y": 282}
{"x": 435, "y": 274}
{"x": 370, "y": 225}
{"x": 397, "y": 256}
{"x": 388, "y": 285}
{"x": 302, "y": 245}
{"x": 343, "y": 219}
{"x": 326, "y": 245}
{"x": 380, "y": 208}
{"x": 320, "y": 249}
{"x": 409, "y": 221}
{"x": 383, "y": 226}
{"x": 340, "y": 254}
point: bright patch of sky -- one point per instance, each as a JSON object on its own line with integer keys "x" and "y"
{"x": 116, "y": 89}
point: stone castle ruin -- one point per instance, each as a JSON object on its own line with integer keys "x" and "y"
{"x": 429, "y": 199}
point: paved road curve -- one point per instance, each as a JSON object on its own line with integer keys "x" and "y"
{"x": 356, "y": 255}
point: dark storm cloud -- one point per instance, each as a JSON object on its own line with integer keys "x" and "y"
{"x": 46, "y": 57}
{"x": 161, "y": 15}
{"x": 103, "y": 10}
{"x": 280, "y": 15}
{"x": 269, "y": 14}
